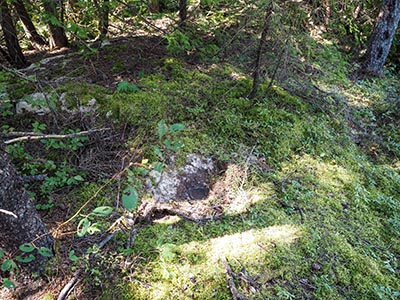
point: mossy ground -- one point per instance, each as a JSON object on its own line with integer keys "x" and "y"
{"x": 327, "y": 217}
{"x": 322, "y": 222}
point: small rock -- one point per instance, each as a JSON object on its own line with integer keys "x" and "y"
{"x": 316, "y": 267}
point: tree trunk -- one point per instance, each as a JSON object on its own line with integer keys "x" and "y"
{"x": 183, "y": 10}
{"x": 58, "y": 39}
{"x": 381, "y": 38}
{"x": 34, "y": 37}
{"x": 260, "y": 50}
{"x": 103, "y": 18}
{"x": 154, "y": 6}
{"x": 26, "y": 225}
{"x": 16, "y": 57}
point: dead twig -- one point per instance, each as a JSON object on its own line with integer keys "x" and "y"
{"x": 295, "y": 208}
{"x": 74, "y": 280}
{"x": 236, "y": 295}
{"x": 7, "y": 212}
{"x": 36, "y": 136}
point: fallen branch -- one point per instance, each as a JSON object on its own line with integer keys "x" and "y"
{"x": 74, "y": 280}
{"x": 7, "y": 212}
{"x": 236, "y": 295}
{"x": 36, "y": 136}
{"x": 295, "y": 208}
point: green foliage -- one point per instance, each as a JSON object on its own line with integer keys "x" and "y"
{"x": 86, "y": 224}
{"x": 130, "y": 198}
{"x": 126, "y": 87}
{"x": 180, "y": 43}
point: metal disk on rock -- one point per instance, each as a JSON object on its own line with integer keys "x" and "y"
{"x": 198, "y": 192}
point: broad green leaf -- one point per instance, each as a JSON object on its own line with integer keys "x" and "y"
{"x": 8, "y": 265}
{"x": 177, "y": 127}
{"x": 158, "y": 166}
{"x": 25, "y": 259}
{"x": 130, "y": 198}
{"x": 26, "y": 248}
{"x": 46, "y": 252}
{"x": 102, "y": 211}
{"x": 177, "y": 145}
{"x": 72, "y": 256}
{"x": 157, "y": 151}
{"x": 168, "y": 143}
{"x": 83, "y": 226}
{"x": 8, "y": 283}
{"x": 93, "y": 229}
{"x": 162, "y": 128}
{"x": 78, "y": 178}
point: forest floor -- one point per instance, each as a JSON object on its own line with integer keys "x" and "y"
{"x": 303, "y": 203}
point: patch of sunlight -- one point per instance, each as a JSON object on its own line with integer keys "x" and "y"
{"x": 243, "y": 199}
{"x": 160, "y": 291}
{"x": 237, "y": 76}
{"x": 328, "y": 173}
{"x": 168, "y": 220}
{"x": 247, "y": 246}
{"x": 201, "y": 263}
{"x": 356, "y": 98}
{"x": 251, "y": 244}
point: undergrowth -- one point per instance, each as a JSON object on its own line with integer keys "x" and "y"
{"x": 326, "y": 222}
{"x": 324, "y": 218}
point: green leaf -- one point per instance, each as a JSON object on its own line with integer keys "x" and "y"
{"x": 78, "y": 178}
{"x": 177, "y": 127}
{"x": 1, "y": 253}
{"x": 102, "y": 211}
{"x": 26, "y": 248}
{"x": 25, "y": 259}
{"x": 44, "y": 251}
{"x": 157, "y": 151}
{"x": 93, "y": 229}
{"x": 126, "y": 87}
{"x": 8, "y": 283}
{"x": 72, "y": 256}
{"x": 158, "y": 166}
{"x": 8, "y": 265}
{"x": 177, "y": 145}
{"x": 168, "y": 143}
{"x": 83, "y": 226}
{"x": 130, "y": 198}
{"x": 162, "y": 128}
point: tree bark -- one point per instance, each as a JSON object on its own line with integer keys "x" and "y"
{"x": 37, "y": 41}
{"x": 16, "y": 58}
{"x": 26, "y": 226}
{"x": 260, "y": 50}
{"x": 58, "y": 39}
{"x": 104, "y": 18}
{"x": 381, "y": 38}
{"x": 154, "y": 6}
{"x": 183, "y": 10}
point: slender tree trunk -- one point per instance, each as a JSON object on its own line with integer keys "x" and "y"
{"x": 58, "y": 39}
{"x": 25, "y": 226}
{"x": 261, "y": 46}
{"x": 381, "y": 38}
{"x": 154, "y": 6}
{"x": 104, "y": 18}
{"x": 16, "y": 57}
{"x": 183, "y": 10}
{"x": 34, "y": 37}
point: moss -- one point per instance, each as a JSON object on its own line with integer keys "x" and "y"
{"x": 80, "y": 94}
{"x": 326, "y": 218}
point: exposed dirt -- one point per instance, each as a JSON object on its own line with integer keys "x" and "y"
{"x": 119, "y": 59}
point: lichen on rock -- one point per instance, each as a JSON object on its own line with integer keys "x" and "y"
{"x": 190, "y": 182}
